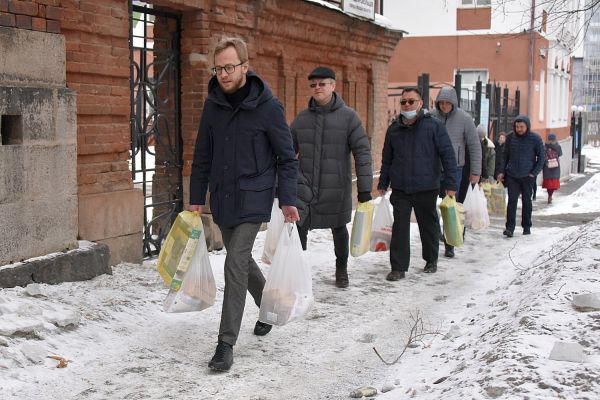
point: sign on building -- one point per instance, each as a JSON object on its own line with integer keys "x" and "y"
{"x": 361, "y": 8}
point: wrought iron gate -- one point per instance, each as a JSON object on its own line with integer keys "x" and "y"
{"x": 156, "y": 144}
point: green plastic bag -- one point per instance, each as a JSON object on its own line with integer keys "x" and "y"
{"x": 360, "y": 239}
{"x": 453, "y": 217}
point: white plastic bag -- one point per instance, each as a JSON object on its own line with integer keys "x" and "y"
{"x": 381, "y": 232}
{"x": 197, "y": 289}
{"x": 287, "y": 294}
{"x": 274, "y": 228}
{"x": 475, "y": 207}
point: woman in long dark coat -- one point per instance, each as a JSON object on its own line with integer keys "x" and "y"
{"x": 551, "y": 172}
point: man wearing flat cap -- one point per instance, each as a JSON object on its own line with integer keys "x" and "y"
{"x": 325, "y": 135}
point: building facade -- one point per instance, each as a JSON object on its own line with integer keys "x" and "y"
{"x": 118, "y": 113}
{"x": 520, "y": 45}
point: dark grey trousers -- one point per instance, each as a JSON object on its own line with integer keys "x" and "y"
{"x": 241, "y": 274}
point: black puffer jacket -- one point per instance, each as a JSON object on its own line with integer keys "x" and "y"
{"x": 413, "y": 156}
{"x": 324, "y": 138}
{"x": 239, "y": 152}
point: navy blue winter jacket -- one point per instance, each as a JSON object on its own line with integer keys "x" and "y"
{"x": 523, "y": 155}
{"x": 413, "y": 156}
{"x": 239, "y": 152}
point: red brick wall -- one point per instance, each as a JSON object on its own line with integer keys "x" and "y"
{"x": 286, "y": 38}
{"x": 97, "y": 64}
{"x": 284, "y": 52}
{"x": 40, "y": 15}
{"x": 97, "y": 41}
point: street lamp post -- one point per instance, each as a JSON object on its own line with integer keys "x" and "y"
{"x": 573, "y": 131}
{"x": 577, "y": 134}
{"x": 579, "y": 138}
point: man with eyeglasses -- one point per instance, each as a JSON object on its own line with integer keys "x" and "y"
{"x": 462, "y": 132}
{"x": 243, "y": 145}
{"x": 325, "y": 135}
{"x": 416, "y": 148}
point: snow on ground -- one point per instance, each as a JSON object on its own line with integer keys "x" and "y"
{"x": 585, "y": 199}
{"x": 491, "y": 314}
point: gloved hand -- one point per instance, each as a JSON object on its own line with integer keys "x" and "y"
{"x": 364, "y": 197}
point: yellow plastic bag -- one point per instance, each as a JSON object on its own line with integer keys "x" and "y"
{"x": 179, "y": 246}
{"x": 360, "y": 239}
{"x": 453, "y": 217}
{"x": 497, "y": 202}
{"x": 185, "y": 267}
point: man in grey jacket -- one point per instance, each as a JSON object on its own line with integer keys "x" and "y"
{"x": 463, "y": 135}
{"x": 325, "y": 134}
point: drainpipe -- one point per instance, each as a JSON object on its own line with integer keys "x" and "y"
{"x": 531, "y": 59}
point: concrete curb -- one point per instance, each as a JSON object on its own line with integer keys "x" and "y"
{"x": 86, "y": 262}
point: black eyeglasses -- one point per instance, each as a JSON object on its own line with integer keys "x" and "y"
{"x": 229, "y": 68}
{"x": 409, "y": 101}
{"x": 320, "y": 84}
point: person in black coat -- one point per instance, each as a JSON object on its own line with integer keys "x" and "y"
{"x": 522, "y": 160}
{"x": 416, "y": 148}
{"x": 243, "y": 145}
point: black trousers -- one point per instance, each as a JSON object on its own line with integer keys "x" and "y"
{"x": 519, "y": 187}
{"x": 340, "y": 243}
{"x": 424, "y": 204}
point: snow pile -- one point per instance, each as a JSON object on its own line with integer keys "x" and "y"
{"x": 506, "y": 348}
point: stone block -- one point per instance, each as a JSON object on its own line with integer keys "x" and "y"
{"x": 564, "y": 351}
{"x": 111, "y": 215}
{"x": 36, "y": 58}
{"x": 83, "y": 263}
{"x": 128, "y": 248}
{"x": 586, "y": 301}
{"x": 35, "y": 227}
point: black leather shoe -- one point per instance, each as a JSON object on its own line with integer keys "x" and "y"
{"x": 341, "y": 278}
{"x": 223, "y": 358}
{"x": 449, "y": 252}
{"x": 395, "y": 275}
{"x": 507, "y": 233}
{"x": 430, "y": 267}
{"x": 526, "y": 231}
{"x": 261, "y": 329}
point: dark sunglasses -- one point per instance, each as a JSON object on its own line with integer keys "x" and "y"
{"x": 320, "y": 84}
{"x": 409, "y": 101}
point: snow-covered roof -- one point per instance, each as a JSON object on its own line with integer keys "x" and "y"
{"x": 379, "y": 19}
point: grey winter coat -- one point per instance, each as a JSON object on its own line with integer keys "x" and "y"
{"x": 461, "y": 129}
{"x": 324, "y": 137}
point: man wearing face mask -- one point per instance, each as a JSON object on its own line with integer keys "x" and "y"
{"x": 416, "y": 148}
{"x": 463, "y": 135}
{"x": 325, "y": 135}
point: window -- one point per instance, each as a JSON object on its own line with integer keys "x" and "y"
{"x": 472, "y": 3}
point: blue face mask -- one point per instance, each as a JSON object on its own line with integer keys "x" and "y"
{"x": 409, "y": 114}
